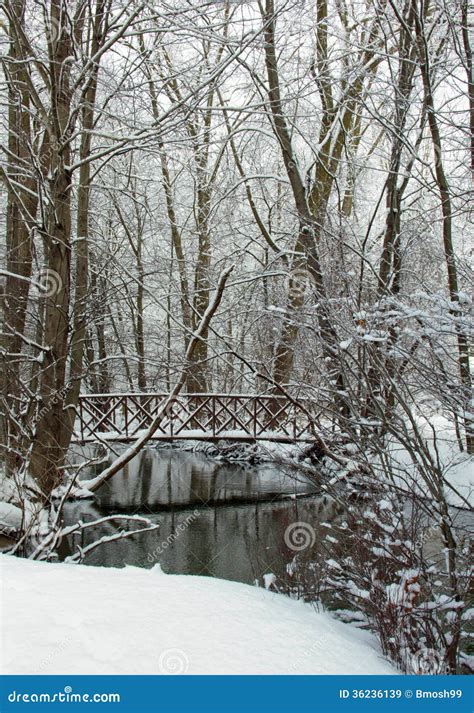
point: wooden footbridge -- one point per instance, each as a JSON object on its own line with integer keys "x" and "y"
{"x": 123, "y": 417}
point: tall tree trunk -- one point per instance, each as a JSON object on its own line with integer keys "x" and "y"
{"x": 446, "y": 209}
{"x": 19, "y": 245}
{"x": 387, "y": 274}
{"x": 81, "y": 295}
{"x": 465, "y": 26}
{"x": 47, "y": 451}
{"x": 336, "y": 125}
{"x": 306, "y": 251}
{"x": 197, "y": 378}
{"x": 140, "y": 333}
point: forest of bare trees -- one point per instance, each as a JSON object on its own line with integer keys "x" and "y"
{"x": 229, "y": 196}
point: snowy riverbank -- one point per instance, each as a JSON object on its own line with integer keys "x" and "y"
{"x": 60, "y": 618}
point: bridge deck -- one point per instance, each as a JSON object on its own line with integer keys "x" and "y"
{"x": 237, "y": 417}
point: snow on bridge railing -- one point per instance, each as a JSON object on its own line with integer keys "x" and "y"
{"x": 124, "y": 416}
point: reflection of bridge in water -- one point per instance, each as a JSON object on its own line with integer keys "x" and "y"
{"x": 238, "y": 533}
{"x": 244, "y": 417}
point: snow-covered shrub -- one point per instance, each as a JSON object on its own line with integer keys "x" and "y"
{"x": 391, "y": 568}
{"x": 399, "y": 558}
{"x": 394, "y": 453}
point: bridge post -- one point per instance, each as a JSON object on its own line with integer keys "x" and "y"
{"x": 81, "y": 418}
{"x": 170, "y": 415}
{"x": 125, "y": 411}
{"x": 213, "y": 416}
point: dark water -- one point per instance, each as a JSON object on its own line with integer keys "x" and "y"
{"x": 221, "y": 520}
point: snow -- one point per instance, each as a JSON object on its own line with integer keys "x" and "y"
{"x": 10, "y": 516}
{"x": 74, "y": 619}
{"x": 460, "y": 473}
{"x": 238, "y": 450}
{"x": 165, "y": 434}
{"x": 458, "y": 468}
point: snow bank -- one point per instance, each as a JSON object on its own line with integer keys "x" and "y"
{"x": 458, "y": 468}
{"x": 10, "y": 517}
{"x": 74, "y": 619}
{"x": 241, "y": 451}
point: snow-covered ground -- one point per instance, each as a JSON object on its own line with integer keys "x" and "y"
{"x": 10, "y": 517}
{"x": 73, "y": 619}
{"x": 457, "y": 467}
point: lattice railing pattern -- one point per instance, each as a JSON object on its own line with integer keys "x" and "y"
{"x": 200, "y": 416}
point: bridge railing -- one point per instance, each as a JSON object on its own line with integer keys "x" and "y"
{"x": 200, "y": 416}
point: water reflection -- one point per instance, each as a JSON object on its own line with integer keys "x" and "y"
{"x": 158, "y": 479}
{"x": 242, "y": 539}
{"x": 239, "y": 542}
